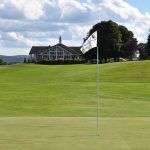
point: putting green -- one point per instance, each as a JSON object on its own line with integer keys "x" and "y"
{"x": 74, "y": 133}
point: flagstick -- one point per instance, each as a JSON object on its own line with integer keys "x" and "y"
{"x": 97, "y": 92}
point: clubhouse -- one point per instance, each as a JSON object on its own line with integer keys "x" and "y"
{"x": 56, "y": 52}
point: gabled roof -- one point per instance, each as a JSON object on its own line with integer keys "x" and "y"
{"x": 73, "y": 50}
{"x": 77, "y": 49}
{"x": 38, "y": 49}
{"x": 42, "y": 49}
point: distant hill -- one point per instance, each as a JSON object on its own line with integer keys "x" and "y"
{"x": 13, "y": 59}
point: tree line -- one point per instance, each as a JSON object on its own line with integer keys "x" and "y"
{"x": 144, "y": 49}
{"x": 2, "y": 62}
{"x": 114, "y": 41}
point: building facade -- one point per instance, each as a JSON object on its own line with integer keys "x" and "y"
{"x": 56, "y": 52}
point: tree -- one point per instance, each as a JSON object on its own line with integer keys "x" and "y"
{"x": 114, "y": 41}
{"x": 109, "y": 40}
{"x": 129, "y": 48}
{"x": 147, "y": 47}
{"x": 141, "y": 48}
{"x": 129, "y": 43}
{"x": 2, "y": 62}
{"x": 126, "y": 35}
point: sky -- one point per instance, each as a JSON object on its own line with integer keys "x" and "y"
{"x": 27, "y": 23}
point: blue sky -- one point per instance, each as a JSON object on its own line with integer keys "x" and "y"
{"x": 142, "y": 5}
{"x": 41, "y": 22}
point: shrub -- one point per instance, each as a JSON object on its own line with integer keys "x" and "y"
{"x": 60, "y": 62}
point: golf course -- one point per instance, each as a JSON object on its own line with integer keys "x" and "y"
{"x": 53, "y": 107}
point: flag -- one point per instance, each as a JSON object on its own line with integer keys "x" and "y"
{"x": 90, "y": 43}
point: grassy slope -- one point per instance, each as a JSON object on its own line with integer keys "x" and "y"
{"x": 38, "y": 90}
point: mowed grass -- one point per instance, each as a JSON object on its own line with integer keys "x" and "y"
{"x": 54, "y": 107}
{"x": 70, "y": 90}
{"x": 74, "y": 133}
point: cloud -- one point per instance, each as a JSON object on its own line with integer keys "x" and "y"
{"x": 31, "y": 10}
{"x": 69, "y": 7}
{"x": 132, "y": 18}
{"x": 126, "y": 14}
{"x": 18, "y": 38}
{"x": 2, "y": 6}
{"x": 120, "y": 8}
{"x": 41, "y": 22}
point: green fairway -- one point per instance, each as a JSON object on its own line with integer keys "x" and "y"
{"x": 54, "y": 107}
{"x": 74, "y": 133}
{"x": 70, "y": 90}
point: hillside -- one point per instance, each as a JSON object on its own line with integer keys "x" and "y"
{"x": 69, "y": 90}
{"x": 13, "y": 59}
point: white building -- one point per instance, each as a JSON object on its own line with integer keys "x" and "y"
{"x": 136, "y": 55}
{"x": 56, "y": 52}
